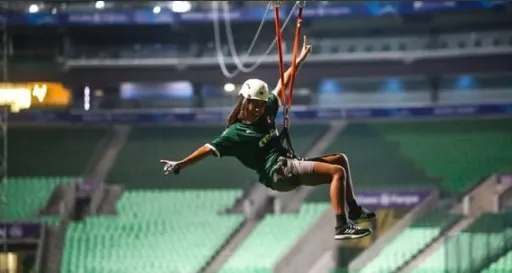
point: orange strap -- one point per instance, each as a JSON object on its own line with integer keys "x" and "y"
{"x": 277, "y": 23}
{"x": 286, "y": 99}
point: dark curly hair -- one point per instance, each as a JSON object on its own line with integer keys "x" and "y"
{"x": 234, "y": 116}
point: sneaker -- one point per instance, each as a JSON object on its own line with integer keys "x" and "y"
{"x": 351, "y": 231}
{"x": 360, "y": 215}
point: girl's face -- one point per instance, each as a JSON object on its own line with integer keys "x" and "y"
{"x": 254, "y": 109}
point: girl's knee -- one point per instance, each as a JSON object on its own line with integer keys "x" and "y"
{"x": 341, "y": 159}
{"x": 328, "y": 172}
{"x": 339, "y": 172}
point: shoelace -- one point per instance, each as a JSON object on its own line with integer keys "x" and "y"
{"x": 352, "y": 227}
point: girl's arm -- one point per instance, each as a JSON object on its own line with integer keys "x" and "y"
{"x": 306, "y": 49}
{"x": 196, "y": 156}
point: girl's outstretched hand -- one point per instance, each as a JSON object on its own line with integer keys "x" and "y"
{"x": 171, "y": 166}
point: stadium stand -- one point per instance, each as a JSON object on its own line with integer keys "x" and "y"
{"x": 175, "y": 224}
{"x": 160, "y": 231}
{"x": 40, "y": 159}
{"x": 452, "y": 155}
{"x": 54, "y": 151}
{"x": 469, "y": 250}
{"x": 26, "y": 195}
{"x": 271, "y": 239}
{"x": 459, "y": 153}
{"x": 147, "y": 145}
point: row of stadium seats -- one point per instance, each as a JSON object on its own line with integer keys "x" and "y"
{"x": 490, "y": 236}
{"x": 325, "y": 46}
{"x": 422, "y": 232}
{"x": 446, "y": 41}
{"x": 270, "y": 240}
{"x": 26, "y": 195}
{"x": 156, "y": 230}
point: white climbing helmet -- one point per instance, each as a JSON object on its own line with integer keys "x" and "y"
{"x": 255, "y": 89}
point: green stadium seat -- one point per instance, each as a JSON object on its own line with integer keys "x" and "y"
{"x": 51, "y": 151}
{"x": 271, "y": 239}
{"x": 155, "y": 231}
{"x": 26, "y": 195}
{"x": 138, "y": 164}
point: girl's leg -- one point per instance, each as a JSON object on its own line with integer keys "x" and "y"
{"x": 324, "y": 173}
{"x": 356, "y": 212}
{"x": 335, "y": 175}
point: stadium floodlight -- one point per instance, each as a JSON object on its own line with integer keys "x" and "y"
{"x": 181, "y": 6}
{"x": 33, "y": 8}
{"x": 99, "y": 4}
{"x": 157, "y": 9}
{"x": 229, "y": 87}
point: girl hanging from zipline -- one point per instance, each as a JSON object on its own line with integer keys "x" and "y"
{"x": 251, "y": 136}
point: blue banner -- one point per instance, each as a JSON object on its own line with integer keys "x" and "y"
{"x": 188, "y": 116}
{"x": 15, "y": 231}
{"x": 311, "y": 11}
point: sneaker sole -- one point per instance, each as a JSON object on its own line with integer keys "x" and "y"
{"x": 351, "y": 236}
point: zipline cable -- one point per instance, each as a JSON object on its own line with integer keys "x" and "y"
{"x": 218, "y": 45}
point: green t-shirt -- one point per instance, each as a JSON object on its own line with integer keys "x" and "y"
{"x": 257, "y": 146}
